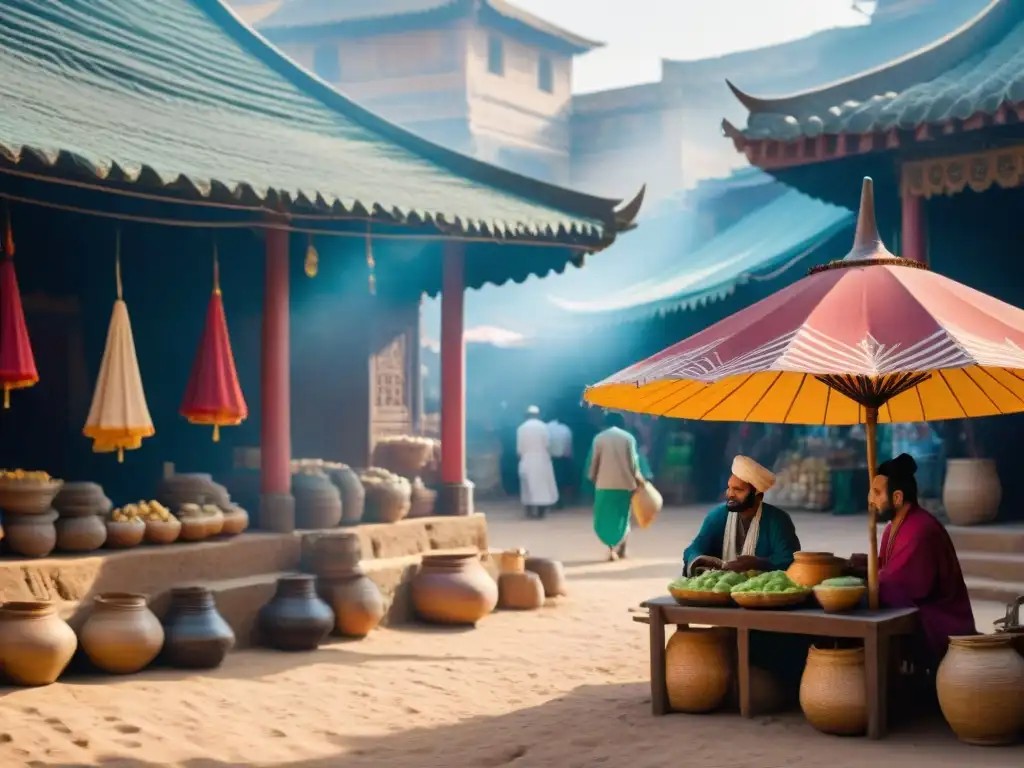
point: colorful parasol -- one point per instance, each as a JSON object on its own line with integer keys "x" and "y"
{"x": 870, "y": 338}
{"x": 17, "y": 364}
{"x": 119, "y": 417}
{"x": 213, "y": 395}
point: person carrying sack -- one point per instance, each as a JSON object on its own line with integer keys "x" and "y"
{"x": 614, "y": 469}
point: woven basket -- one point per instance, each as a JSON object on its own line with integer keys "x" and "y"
{"x": 979, "y": 683}
{"x": 699, "y": 668}
{"x": 423, "y": 500}
{"x": 692, "y": 597}
{"x": 839, "y": 599}
{"x": 832, "y": 691}
{"x": 405, "y": 456}
{"x": 386, "y": 502}
{"x": 770, "y": 600}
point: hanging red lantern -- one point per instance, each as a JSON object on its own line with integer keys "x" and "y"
{"x": 213, "y": 395}
{"x": 17, "y": 363}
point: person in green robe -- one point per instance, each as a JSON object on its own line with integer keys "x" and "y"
{"x": 614, "y": 468}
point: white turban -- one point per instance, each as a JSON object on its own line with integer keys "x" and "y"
{"x": 533, "y": 410}
{"x": 749, "y": 471}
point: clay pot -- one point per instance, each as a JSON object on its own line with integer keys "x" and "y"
{"x": 295, "y": 619}
{"x": 453, "y": 589}
{"x": 35, "y": 643}
{"x": 356, "y": 601}
{"x": 513, "y": 561}
{"x": 31, "y": 535}
{"x": 125, "y": 534}
{"x": 121, "y": 635}
{"x": 162, "y": 531}
{"x": 811, "y": 568}
{"x": 82, "y": 500}
{"x": 236, "y": 520}
{"x": 980, "y": 683}
{"x": 698, "y": 668}
{"x": 334, "y": 555}
{"x": 972, "y": 492}
{"x": 197, "y": 637}
{"x": 213, "y": 524}
{"x": 404, "y": 455}
{"x": 832, "y": 691}
{"x": 80, "y": 534}
{"x": 317, "y": 502}
{"x": 28, "y": 497}
{"x": 520, "y": 591}
{"x": 192, "y": 529}
{"x": 353, "y": 497}
{"x": 387, "y": 500}
{"x": 552, "y": 575}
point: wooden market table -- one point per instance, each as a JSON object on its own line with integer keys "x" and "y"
{"x": 875, "y": 628}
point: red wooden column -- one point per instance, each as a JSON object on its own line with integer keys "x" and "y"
{"x": 914, "y": 232}
{"x": 277, "y": 505}
{"x": 456, "y": 492}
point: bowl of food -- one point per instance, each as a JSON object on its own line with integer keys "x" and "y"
{"x": 772, "y": 589}
{"x": 709, "y": 588}
{"x": 840, "y": 594}
{"x": 25, "y": 492}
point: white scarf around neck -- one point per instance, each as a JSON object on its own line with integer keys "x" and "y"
{"x": 749, "y": 544}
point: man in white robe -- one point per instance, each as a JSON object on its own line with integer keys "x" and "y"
{"x": 537, "y": 487}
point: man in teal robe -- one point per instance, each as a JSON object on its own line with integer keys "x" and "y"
{"x": 744, "y": 534}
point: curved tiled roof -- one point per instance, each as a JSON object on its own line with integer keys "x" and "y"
{"x": 974, "y": 70}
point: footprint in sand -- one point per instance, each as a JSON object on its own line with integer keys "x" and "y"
{"x": 129, "y": 743}
{"x": 58, "y": 725}
{"x": 126, "y": 729}
{"x": 276, "y": 733}
{"x": 30, "y": 711}
{"x": 6, "y": 738}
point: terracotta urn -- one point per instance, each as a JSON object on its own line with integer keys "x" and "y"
{"x": 520, "y": 591}
{"x": 811, "y": 568}
{"x": 552, "y": 575}
{"x": 35, "y": 643}
{"x": 356, "y": 601}
{"x": 196, "y": 635}
{"x": 453, "y": 589}
{"x": 699, "y": 668}
{"x": 295, "y": 619}
{"x": 833, "y": 696}
{"x": 31, "y": 535}
{"x": 980, "y": 683}
{"x": 121, "y": 635}
{"x": 971, "y": 492}
{"x": 80, "y": 534}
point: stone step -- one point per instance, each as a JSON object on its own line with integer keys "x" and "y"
{"x": 1006, "y": 539}
{"x": 981, "y": 588}
{"x": 993, "y": 565}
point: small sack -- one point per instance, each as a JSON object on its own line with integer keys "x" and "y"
{"x": 646, "y": 504}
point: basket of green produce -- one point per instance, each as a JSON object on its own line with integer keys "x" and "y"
{"x": 710, "y": 588}
{"x": 840, "y": 594}
{"x": 773, "y": 589}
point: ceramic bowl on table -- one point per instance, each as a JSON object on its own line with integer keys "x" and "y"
{"x": 770, "y": 600}
{"x": 839, "y": 599}
{"x": 28, "y": 497}
{"x": 692, "y": 597}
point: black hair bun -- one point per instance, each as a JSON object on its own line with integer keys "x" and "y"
{"x": 904, "y": 464}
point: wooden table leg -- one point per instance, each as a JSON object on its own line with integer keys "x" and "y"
{"x": 743, "y": 671}
{"x": 876, "y": 671}
{"x": 659, "y": 688}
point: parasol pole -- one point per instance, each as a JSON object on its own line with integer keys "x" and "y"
{"x": 870, "y": 430}
{"x": 120, "y": 297}
{"x": 216, "y": 291}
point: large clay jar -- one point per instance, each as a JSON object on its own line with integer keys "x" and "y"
{"x": 388, "y": 496}
{"x": 80, "y": 534}
{"x": 31, "y": 535}
{"x": 35, "y": 643}
{"x": 520, "y": 591}
{"x": 699, "y": 668}
{"x": 81, "y": 500}
{"x": 833, "y": 696}
{"x": 453, "y": 589}
{"x": 356, "y": 601}
{"x": 121, "y": 635}
{"x": 552, "y": 575}
{"x": 972, "y": 492}
{"x": 317, "y": 502}
{"x": 980, "y": 684}
{"x": 196, "y": 635}
{"x": 353, "y": 497}
{"x": 295, "y": 619}
{"x": 811, "y": 568}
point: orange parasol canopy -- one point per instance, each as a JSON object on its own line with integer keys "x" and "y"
{"x": 119, "y": 417}
{"x": 213, "y": 395}
{"x": 17, "y": 363}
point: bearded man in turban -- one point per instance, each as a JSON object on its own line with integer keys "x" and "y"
{"x": 744, "y": 534}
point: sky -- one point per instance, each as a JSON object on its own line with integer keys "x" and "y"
{"x": 639, "y": 33}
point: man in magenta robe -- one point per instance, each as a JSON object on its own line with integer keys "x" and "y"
{"x": 917, "y": 563}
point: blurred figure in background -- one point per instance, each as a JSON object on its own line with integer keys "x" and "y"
{"x": 560, "y": 445}
{"x": 537, "y": 487}
{"x": 614, "y": 468}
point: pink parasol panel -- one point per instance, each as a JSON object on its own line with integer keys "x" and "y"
{"x": 17, "y": 363}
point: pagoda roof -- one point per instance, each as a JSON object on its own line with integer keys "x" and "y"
{"x": 971, "y": 72}
{"x": 296, "y": 19}
{"x": 182, "y": 99}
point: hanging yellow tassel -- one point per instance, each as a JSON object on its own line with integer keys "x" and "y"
{"x": 312, "y": 262}
{"x": 7, "y": 397}
{"x": 120, "y": 455}
{"x": 216, "y": 433}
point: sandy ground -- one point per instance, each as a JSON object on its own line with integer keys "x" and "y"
{"x": 565, "y": 686}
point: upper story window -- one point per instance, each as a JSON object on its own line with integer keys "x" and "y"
{"x": 545, "y": 75}
{"x": 495, "y": 56}
{"x": 326, "y": 63}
